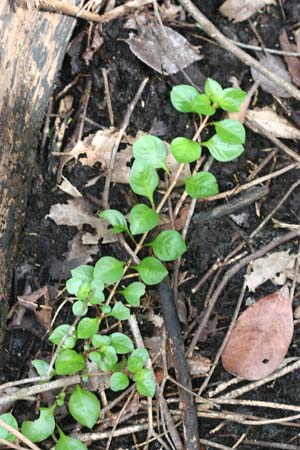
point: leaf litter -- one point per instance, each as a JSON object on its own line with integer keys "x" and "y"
{"x": 261, "y": 337}
{"x": 273, "y": 123}
{"x": 240, "y": 10}
{"x": 274, "y": 64}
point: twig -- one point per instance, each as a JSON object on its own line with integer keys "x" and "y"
{"x": 256, "y": 127}
{"x": 214, "y": 444}
{"x": 75, "y": 11}
{"x": 19, "y": 435}
{"x": 228, "y": 45}
{"x": 230, "y": 273}
{"x": 271, "y": 445}
{"x": 189, "y": 416}
{"x": 108, "y": 97}
{"x": 132, "y": 105}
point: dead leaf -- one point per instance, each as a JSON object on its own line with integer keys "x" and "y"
{"x": 96, "y": 42}
{"x": 273, "y": 123}
{"x": 67, "y": 187}
{"x": 239, "y": 10}
{"x": 199, "y": 365}
{"x": 275, "y": 65}
{"x": 76, "y": 213}
{"x": 162, "y": 49}
{"x": 293, "y": 62}
{"x": 269, "y": 268}
{"x": 261, "y": 337}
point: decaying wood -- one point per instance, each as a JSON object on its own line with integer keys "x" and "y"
{"x": 32, "y": 47}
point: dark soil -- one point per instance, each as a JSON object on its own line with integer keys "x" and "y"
{"x": 44, "y": 244}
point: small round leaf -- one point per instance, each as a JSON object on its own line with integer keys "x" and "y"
{"x": 231, "y": 131}
{"x": 222, "y": 151}
{"x": 69, "y": 362}
{"x": 202, "y": 185}
{"x": 116, "y": 219}
{"x": 183, "y": 96}
{"x": 142, "y": 219}
{"x": 84, "y": 406}
{"x": 151, "y": 151}
{"x": 151, "y": 270}
{"x": 121, "y": 343}
{"x": 108, "y": 269}
{"x": 133, "y": 292}
{"x": 168, "y": 245}
{"x": 118, "y": 381}
{"x": 185, "y": 150}
{"x": 87, "y": 327}
{"x": 231, "y": 99}
{"x": 68, "y": 443}
{"x": 10, "y": 420}
{"x": 40, "y": 429}
{"x": 213, "y": 90}
{"x": 143, "y": 180}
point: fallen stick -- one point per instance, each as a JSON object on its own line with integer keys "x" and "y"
{"x": 228, "y": 45}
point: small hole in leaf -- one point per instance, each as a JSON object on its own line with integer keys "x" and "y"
{"x": 265, "y": 361}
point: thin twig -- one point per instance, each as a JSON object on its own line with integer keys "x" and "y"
{"x": 19, "y": 435}
{"x": 108, "y": 97}
{"x": 132, "y": 105}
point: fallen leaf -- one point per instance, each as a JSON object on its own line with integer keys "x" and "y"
{"x": 273, "y": 123}
{"x": 293, "y": 62}
{"x": 199, "y": 365}
{"x": 275, "y": 65}
{"x": 76, "y": 213}
{"x": 239, "y": 10}
{"x": 269, "y": 268}
{"x": 162, "y": 48}
{"x": 67, "y": 187}
{"x": 261, "y": 337}
{"x": 94, "y": 45}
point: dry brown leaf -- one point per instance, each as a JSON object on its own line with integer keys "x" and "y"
{"x": 293, "y": 62}
{"x": 162, "y": 49}
{"x": 239, "y": 10}
{"x": 199, "y": 365}
{"x": 67, "y": 187}
{"x": 76, "y": 213}
{"x": 261, "y": 337}
{"x": 275, "y": 65}
{"x": 273, "y": 123}
{"x": 269, "y": 268}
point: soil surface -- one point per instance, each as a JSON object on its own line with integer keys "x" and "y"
{"x": 44, "y": 245}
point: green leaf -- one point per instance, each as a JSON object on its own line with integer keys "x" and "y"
{"x": 231, "y": 99}
{"x": 120, "y": 311}
{"x": 151, "y": 152}
{"x": 105, "y": 309}
{"x": 68, "y": 443}
{"x": 116, "y": 219}
{"x": 118, "y": 381}
{"x": 185, "y": 150}
{"x": 110, "y": 356}
{"x": 79, "y": 308}
{"x": 133, "y": 292}
{"x": 69, "y": 362}
{"x": 59, "y": 333}
{"x": 121, "y": 343}
{"x": 145, "y": 382}
{"x": 168, "y": 245}
{"x": 231, "y": 131}
{"x": 83, "y": 273}
{"x": 183, "y": 96}
{"x": 202, "y": 105}
{"x": 10, "y": 420}
{"x": 41, "y": 428}
{"x": 73, "y": 285}
{"x": 108, "y": 269}
{"x": 95, "y": 357}
{"x": 84, "y": 290}
{"x": 143, "y": 180}
{"x": 98, "y": 340}
{"x": 84, "y": 407}
{"x": 142, "y": 219}
{"x": 213, "y": 90}
{"x": 151, "y": 270}
{"x": 201, "y": 185}
{"x": 87, "y": 327}
{"x": 222, "y": 151}
{"x": 137, "y": 360}
{"x": 41, "y": 366}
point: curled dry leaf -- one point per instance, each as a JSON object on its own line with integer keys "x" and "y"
{"x": 261, "y": 337}
{"x": 272, "y": 267}
{"x": 273, "y": 123}
{"x": 76, "y": 213}
{"x": 239, "y": 10}
{"x": 275, "y": 65}
{"x": 199, "y": 365}
{"x": 163, "y": 49}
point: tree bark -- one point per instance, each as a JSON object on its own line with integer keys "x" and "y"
{"x": 32, "y": 47}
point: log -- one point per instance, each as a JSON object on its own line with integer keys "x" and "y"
{"x": 32, "y": 48}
